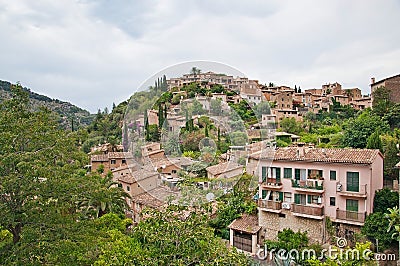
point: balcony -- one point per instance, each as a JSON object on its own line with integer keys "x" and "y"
{"x": 350, "y": 217}
{"x": 342, "y": 190}
{"x": 270, "y": 205}
{"x": 272, "y": 184}
{"x": 308, "y": 211}
{"x": 309, "y": 185}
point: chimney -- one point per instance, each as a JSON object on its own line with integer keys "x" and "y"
{"x": 300, "y": 152}
{"x": 372, "y": 80}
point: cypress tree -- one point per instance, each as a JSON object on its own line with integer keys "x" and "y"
{"x": 125, "y": 141}
{"x": 206, "y": 131}
{"x": 160, "y": 116}
{"x": 374, "y": 141}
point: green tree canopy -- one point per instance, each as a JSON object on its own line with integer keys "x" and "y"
{"x": 357, "y": 131}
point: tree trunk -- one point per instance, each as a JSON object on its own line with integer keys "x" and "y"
{"x": 16, "y": 232}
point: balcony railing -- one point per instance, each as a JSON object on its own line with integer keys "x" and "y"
{"x": 308, "y": 184}
{"x": 269, "y": 204}
{"x": 360, "y": 191}
{"x": 272, "y": 183}
{"x": 308, "y": 210}
{"x": 358, "y": 217}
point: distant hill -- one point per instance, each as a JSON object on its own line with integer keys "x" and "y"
{"x": 66, "y": 111}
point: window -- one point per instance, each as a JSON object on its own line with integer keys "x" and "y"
{"x": 128, "y": 188}
{"x": 313, "y": 199}
{"x": 352, "y": 182}
{"x": 352, "y": 205}
{"x": 300, "y": 174}
{"x": 123, "y": 161}
{"x": 264, "y": 173}
{"x": 263, "y": 194}
{"x": 174, "y": 171}
{"x": 332, "y": 175}
{"x": 332, "y": 201}
{"x": 287, "y": 172}
{"x": 280, "y": 196}
{"x": 276, "y": 173}
{"x": 113, "y": 161}
{"x": 300, "y": 199}
{"x": 287, "y": 197}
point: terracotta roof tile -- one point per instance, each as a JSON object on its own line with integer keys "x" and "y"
{"x": 247, "y": 223}
{"x": 137, "y": 175}
{"x": 339, "y": 155}
{"x": 223, "y": 168}
{"x": 99, "y": 158}
{"x": 120, "y": 155}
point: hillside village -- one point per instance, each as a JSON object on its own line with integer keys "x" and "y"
{"x": 205, "y": 131}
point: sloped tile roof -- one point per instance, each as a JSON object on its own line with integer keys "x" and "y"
{"x": 339, "y": 155}
{"x": 223, "y": 168}
{"x": 111, "y": 155}
{"x": 147, "y": 200}
{"x": 247, "y": 223}
{"x": 140, "y": 174}
{"x": 120, "y": 155}
{"x": 99, "y": 158}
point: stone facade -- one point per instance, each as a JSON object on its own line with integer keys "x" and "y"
{"x": 392, "y": 84}
{"x": 272, "y": 222}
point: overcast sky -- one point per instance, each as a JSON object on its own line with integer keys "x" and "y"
{"x": 94, "y": 53}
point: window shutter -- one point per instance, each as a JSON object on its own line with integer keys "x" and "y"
{"x": 263, "y": 194}
{"x": 297, "y": 198}
{"x": 309, "y": 199}
{"x": 280, "y": 196}
{"x": 297, "y": 174}
{"x": 278, "y": 174}
{"x": 264, "y": 173}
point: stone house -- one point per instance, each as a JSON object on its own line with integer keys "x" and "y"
{"x": 110, "y": 161}
{"x": 226, "y": 170}
{"x": 391, "y": 83}
{"x": 244, "y": 233}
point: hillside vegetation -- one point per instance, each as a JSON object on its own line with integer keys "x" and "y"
{"x": 69, "y": 114}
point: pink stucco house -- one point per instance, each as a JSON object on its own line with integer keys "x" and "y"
{"x": 302, "y": 187}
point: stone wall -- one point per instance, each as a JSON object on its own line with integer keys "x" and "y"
{"x": 271, "y": 223}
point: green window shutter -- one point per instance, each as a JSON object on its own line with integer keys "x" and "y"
{"x": 287, "y": 172}
{"x": 297, "y": 174}
{"x": 280, "y": 196}
{"x": 353, "y": 181}
{"x": 263, "y": 194}
{"x": 278, "y": 174}
{"x": 297, "y": 198}
{"x": 352, "y": 205}
{"x": 309, "y": 199}
{"x": 332, "y": 175}
{"x": 264, "y": 173}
